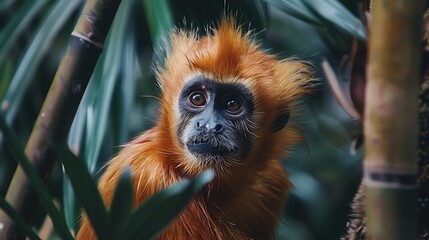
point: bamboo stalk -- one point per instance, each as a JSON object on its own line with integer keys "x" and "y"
{"x": 391, "y": 119}
{"x": 59, "y": 108}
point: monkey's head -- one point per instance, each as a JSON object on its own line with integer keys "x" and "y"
{"x": 226, "y": 103}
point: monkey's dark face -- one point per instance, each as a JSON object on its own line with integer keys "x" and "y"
{"x": 215, "y": 119}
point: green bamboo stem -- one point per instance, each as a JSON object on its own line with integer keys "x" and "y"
{"x": 391, "y": 119}
{"x": 59, "y": 108}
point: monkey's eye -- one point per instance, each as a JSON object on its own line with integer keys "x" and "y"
{"x": 197, "y": 99}
{"x": 233, "y": 106}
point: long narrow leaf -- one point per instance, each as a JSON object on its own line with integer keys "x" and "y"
{"x": 105, "y": 80}
{"x": 323, "y": 14}
{"x": 18, "y": 219}
{"x": 57, "y": 17}
{"x": 297, "y": 9}
{"x": 18, "y": 24}
{"x": 69, "y": 203}
{"x": 121, "y": 205}
{"x": 46, "y": 200}
{"x": 75, "y": 143}
{"x": 160, "y": 210}
{"x": 5, "y": 4}
{"x": 126, "y": 89}
{"x": 333, "y": 12}
{"x": 6, "y": 72}
{"x": 85, "y": 188}
{"x": 159, "y": 26}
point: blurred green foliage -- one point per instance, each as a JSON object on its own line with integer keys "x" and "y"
{"x": 121, "y": 101}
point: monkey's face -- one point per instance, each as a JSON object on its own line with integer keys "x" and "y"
{"x": 216, "y": 119}
{"x": 225, "y": 100}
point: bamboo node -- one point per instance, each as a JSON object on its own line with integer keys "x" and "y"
{"x": 86, "y": 38}
{"x": 390, "y": 178}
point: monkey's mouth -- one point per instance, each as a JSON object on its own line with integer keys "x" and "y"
{"x": 209, "y": 145}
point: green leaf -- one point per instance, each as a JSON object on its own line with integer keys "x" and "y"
{"x": 263, "y": 13}
{"x": 126, "y": 90}
{"x": 74, "y": 141}
{"x": 6, "y": 71}
{"x": 69, "y": 203}
{"x": 150, "y": 218}
{"x": 17, "y": 24}
{"x": 324, "y": 14}
{"x": 105, "y": 80}
{"x": 333, "y": 12}
{"x": 121, "y": 206}
{"x": 45, "y": 198}
{"x": 296, "y": 9}
{"x": 19, "y": 221}
{"x": 160, "y": 20}
{"x": 85, "y": 188}
{"x": 5, "y": 4}
{"x": 43, "y": 38}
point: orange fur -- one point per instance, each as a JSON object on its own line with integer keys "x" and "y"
{"x": 245, "y": 198}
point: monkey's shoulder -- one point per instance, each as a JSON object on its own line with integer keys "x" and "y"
{"x": 142, "y": 157}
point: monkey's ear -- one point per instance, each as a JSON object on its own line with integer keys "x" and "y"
{"x": 281, "y": 120}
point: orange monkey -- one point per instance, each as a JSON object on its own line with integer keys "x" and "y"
{"x": 225, "y": 105}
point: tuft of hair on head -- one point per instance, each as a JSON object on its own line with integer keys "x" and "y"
{"x": 219, "y": 53}
{"x": 231, "y": 43}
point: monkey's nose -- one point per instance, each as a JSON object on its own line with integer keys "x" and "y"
{"x": 209, "y": 126}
